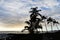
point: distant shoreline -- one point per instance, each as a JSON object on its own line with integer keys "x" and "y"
{"x": 26, "y": 32}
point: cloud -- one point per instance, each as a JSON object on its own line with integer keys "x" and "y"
{"x": 17, "y": 11}
{"x": 16, "y": 7}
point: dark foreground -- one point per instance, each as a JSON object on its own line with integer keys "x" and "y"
{"x": 43, "y": 36}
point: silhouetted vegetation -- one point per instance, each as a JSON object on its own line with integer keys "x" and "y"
{"x": 34, "y": 21}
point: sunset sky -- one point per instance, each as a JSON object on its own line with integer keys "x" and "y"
{"x": 14, "y": 13}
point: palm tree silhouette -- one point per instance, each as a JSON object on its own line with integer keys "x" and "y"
{"x": 43, "y": 18}
{"x": 55, "y": 22}
{"x": 34, "y": 21}
{"x": 34, "y": 10}
{"x": 49, "y": 20}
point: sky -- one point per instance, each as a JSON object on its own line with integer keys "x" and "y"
{"x": 14, "y": 13}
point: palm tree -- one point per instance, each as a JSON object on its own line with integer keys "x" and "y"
{"x": 34, "y": 10}
{"x": 56, "y": 22}
{"x": 50, "y": 20}
{"x": 43, "y": 18}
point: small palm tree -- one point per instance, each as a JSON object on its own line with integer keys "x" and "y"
{"x": 50, "y": 20}
{"x": 55, "y": 22}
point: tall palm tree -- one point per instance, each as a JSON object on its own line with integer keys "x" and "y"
{"x": 56, "y": 22}
{"x": 50, "y": 20}
{"x": 43, "y": 18}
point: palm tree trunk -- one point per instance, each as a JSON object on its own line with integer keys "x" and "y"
{"x": 46, "y": 27}
{"x": 57, "y": 26}
{"x": 42, "y": 29}
{"x": 51, "y": 27}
